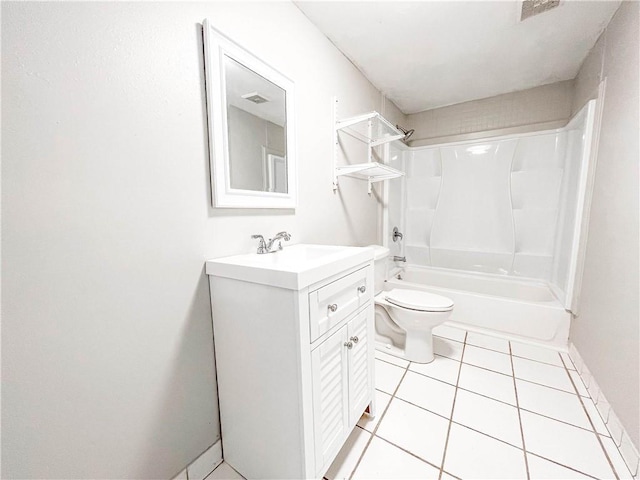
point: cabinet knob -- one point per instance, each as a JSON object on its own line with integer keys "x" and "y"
{"x": 333, "y": 307}
{"x": 349, "y": 345}
{"x": 354, "y": 339}
{"x": 362, "y": 289}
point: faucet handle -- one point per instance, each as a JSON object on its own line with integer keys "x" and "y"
{"x": 286, "y": 236}
{"x": 262, "y": 246}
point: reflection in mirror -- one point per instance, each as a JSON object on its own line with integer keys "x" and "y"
{"x": 256, "y": 130}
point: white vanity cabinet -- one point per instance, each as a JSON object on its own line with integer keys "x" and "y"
{"x": 294, "y": 353}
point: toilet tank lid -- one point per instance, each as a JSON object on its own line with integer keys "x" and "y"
{"x": 379, "y": 252}
{"x": 417, "y": 300}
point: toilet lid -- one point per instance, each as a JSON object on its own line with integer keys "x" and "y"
{"x": 416, "y": 300}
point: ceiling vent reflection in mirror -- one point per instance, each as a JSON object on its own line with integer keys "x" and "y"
{"x": 535, "y": 7}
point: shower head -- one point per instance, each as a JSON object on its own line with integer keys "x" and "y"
{"x": 407, "y": 133}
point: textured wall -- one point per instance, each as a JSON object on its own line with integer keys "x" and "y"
{"x": 607, "y": 332}
{"x": 548, "y": 106}
{"x": 107, "y": 354}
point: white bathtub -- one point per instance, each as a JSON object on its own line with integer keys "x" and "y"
{"x": 514, "y": 308}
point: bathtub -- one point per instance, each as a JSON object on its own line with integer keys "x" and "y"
{"x": 521, "y": 309}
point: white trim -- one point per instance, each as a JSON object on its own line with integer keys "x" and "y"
{"x": 619, "y": 435}
{"x": 582, "y": 232}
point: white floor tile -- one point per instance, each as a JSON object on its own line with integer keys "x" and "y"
{"x": 473, "y": 455}
{"x": 342, "y": 467}
{"x": 400, "y": 362}
{"x": 616, "y": 458}
{"x": 428, "y": 393}
{"x": 487, "y": 341}
{"x": 565, "y": 444}
{"x": 481, "y": 357}
{"x": 447, "y": 348}
{"x": 384, "y": 461}
{"x": 595, "y": 417}
{"x": 553, "y": 403}
{"x": 442, "y": 368}
{"x": 577, "y": 381}
{"x": 446, "y": 476}
{"x": 534, "y": 352}
{"x": 224, "y": 472}
{"x": 416, "y": 430}
{"x": 490, "y": 417}
{"x": 491, "y": 384}
{"x": 387, "y": 376}
{"x": 451, "y": 333}
{"x": 368, "y": 423}
{"x": 541, "y": 469}
{"x": 542, "y": 373}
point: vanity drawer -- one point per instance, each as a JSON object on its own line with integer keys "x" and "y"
{"x": 332, "y": 303}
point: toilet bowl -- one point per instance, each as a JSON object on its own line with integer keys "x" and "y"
{"x": 405, "y": 318}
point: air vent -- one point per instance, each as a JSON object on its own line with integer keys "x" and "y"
{"x": 255, "y": 97}
{"x": 535, "y": 7}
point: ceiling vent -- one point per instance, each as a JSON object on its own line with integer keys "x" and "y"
{"x": 535, "y": 7}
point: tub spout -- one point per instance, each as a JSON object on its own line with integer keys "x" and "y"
{"x": 399, "y": 259}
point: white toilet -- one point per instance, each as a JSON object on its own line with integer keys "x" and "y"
{"x": 405, "y": 318}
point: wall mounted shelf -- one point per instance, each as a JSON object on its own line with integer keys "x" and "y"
{"x": 370, "y": 171}
{"x": 371, "y": 128}
{"x": 374, "y": 130}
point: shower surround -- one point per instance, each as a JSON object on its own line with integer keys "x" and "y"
{"x": 503, "y": 208}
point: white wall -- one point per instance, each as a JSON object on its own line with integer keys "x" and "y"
{"x": 534, "y": 109}
{"x": 607, "y": 332}
{"x": 107, "y": 366}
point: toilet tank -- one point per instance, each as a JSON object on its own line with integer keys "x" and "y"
{"x": 380, "y": 258}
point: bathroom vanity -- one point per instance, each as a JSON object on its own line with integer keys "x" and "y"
{"x": 294, "y": 351}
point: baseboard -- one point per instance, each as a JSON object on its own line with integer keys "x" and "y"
{"x": 619, "y": 435}
{"x": 202, "y": 466}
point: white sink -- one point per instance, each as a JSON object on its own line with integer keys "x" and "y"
{"x": 294, "y": 267}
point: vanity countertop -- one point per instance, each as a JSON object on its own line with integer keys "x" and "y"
{"x": 295, "y": 267}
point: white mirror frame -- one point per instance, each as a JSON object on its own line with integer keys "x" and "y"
{"x": 216, "y": 46}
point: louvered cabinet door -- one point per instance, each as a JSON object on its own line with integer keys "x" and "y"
{"x": 330, "y": 396}
{"x": 359, "y": 366}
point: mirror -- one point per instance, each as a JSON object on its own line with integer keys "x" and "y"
{"x": 251, "y": 127}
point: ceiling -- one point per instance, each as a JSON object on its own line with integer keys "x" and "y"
{"x": 428, "y": 54}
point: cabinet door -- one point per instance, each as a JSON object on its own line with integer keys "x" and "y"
{"x": 330, "y": 396}
{"x": 360, "y": 361}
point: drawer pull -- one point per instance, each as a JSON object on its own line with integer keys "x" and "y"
{"x": 362, "y": 289}
{"x": 349, "y": 345}
{"x": 333, "y": 307}
{"x": 354, "y": 339}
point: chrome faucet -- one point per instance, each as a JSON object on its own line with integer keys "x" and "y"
{"x": 399, "y": 259}
{"x": 266, "y": 247}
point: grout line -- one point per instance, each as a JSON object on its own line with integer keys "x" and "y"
{"x": 594, "y": 431}
{"x": 373, "y": 433}
{"x": 561, "y": 465}
{"x": 557, "y": 419}
{"x": 407, "y": 451}
{"x": 515, "y": 388}
{"x": 390, "y": 363}
{"x": 453, "y": 406}
{"x": 549, "y": 386}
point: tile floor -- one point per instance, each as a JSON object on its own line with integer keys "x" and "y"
{"x": 485, "y": 408}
